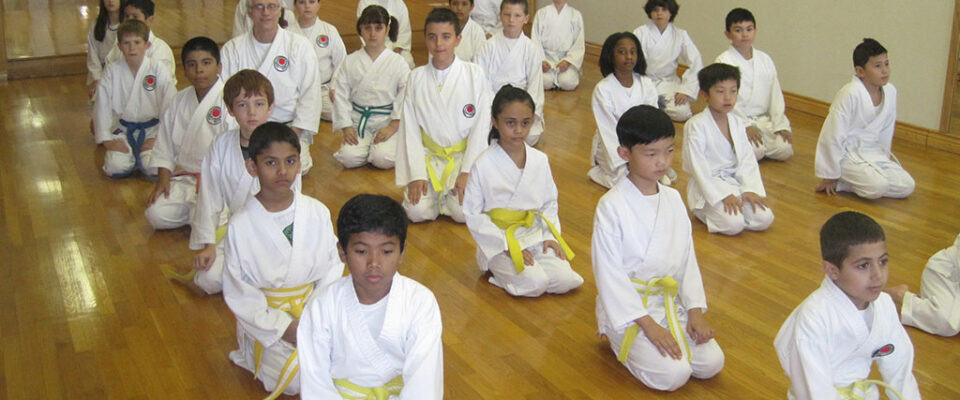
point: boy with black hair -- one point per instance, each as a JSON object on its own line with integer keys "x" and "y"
{"x": 760, "y": 99}
{"x": 280, "y": 253}
{"x": 829, "y": 342}
{"x": 725, "y": 190}
{"x": 443, "y": 125}
{"x": 854, "y": 150}
{"x": 472, "y": 33}
{"x": 375, "y": 331}
{"x": 131, "y": 95}
{"x": 512, "y": 58}
{"x": 664, "y": 45}
{"x": 142, "y": 10}
{"x": 189, "y": 124}
{"x": 650, "y": 301}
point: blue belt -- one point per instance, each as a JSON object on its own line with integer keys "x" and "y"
{"x": 136, "y": 135}
{"x": 367, "y": 111}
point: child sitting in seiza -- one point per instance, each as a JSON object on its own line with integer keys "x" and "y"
{"x": 760, "y": 99}
{"x": 327, "y": 44}
{"x": 650, "y": 301}
{"x": 854, "y": 150}
{"x": 937, "y": 308}
{"x": 664, "y": 45}
{"x": 511, "y": 58}
{"x": 398, "y": 10}
{"x": 725, "y": 190}
{"x": 623, "y": 86}
{"x": 131, "y": 95}
{"x": 511, "y": 207}
{"x": 375, "y": 334}
{"x": 368, "y": 95}
{"x": 196, "y": 116}
{"x": 829, "y": 342}
{"x": 281, "y": 252}
{"x": 443, "y": 125}
{"x": 143, "y": 11}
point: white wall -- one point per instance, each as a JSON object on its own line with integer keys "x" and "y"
{"x": 812, "y": 41}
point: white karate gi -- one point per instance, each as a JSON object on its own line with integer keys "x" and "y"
{"x": 97, "y": 51}
{"x": 225, "y": 187}
{"x": 123, "y": 99}
{"x": 826, "y": 344}
{"x": 760, "y": 101}
{"x": 645, "y": 238}
{"x": 187, "y": 128}
{"x": 243, "y": 24}
{"x": 259, "y": 257}
{"x": 663, "y": 52}
{"x": 610, "y": 101}
{"x": 496, "y": 182}
{"x": 449, "y": 106}
{"x": 937, "y": 308}
{"x": 560, "y": 34}
{"x": 516, "y": 62}
{"x": 718, "y": 170}
{"x": 335, "y": 342}
{"x": 398, "y": 10}
{"x": 487, "y": 14}
{"x": 375, "y": 88}
{"x": 292, "y": 68}
{"x": 330, "y": 53}
{"x": 159, "y": 50}
{"x": 854, "y": 144}
{"x": 472, "y": 40}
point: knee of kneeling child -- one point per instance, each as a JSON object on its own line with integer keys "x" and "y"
{"x": 760, "y": 221}
{"x": 381, "y": 159}
{"x": 568, "y": 81}
{"x": 903, "y": 187}
{"x": 729, "y": 225}
{"x": 672, "y": 377}
{"x": 782, "y": 151}
{"x": 351, "y": 159}
{"x": 158, "y": 218}
{"x": 872, "y": 191}
{"x": 421, "y": 212}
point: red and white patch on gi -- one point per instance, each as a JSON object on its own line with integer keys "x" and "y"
{"x": 150, "y": 83}
{"x": 323, "y": 41}
{"x": 884, "y": 350}
{"x": 215, "y": 115}
{"x": 281, "y": 63}
{"x": 469, "y": 111}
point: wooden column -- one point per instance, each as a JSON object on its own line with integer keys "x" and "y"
{"x": 3, "y": 48}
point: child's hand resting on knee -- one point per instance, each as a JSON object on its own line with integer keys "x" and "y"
{"x": 387, "y": 132}
{"x": 681, "y": 99}
{"x": 755, "y": 201}
{"x": 527, "y": 258}
{"x": 461, "y": 186}
{"x": 416, "y": 189}
{"x": 205, "y": 257}
{"x": 697, "y": 326}
{"x": 660, "y": 337}
{"x": 731, "y": 205}
{"x": 753, "y": 134}
{"x": 552, "y": 244}
{"x": 290, "y": 335}
{"x": 350, "y": 136}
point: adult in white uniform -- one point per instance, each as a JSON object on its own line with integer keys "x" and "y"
{"x": 487, "y": 14}
{"x": 398, "y": 10}
{"x": 854, "y": 150}
{"x": 195, "y": 117}
{"x": 131, "y": 95}
{"x": 242, "y": 23}
{"x": 443, "y": 125}
{"x": 512, "y": 211}
{"x": 624, "y": 85}
{"x": 368, "y": 95}
{"x": 937, "y": 308}
{"x": 376, "y": 333}
{"x": 650, "y": 301}
{"x": 289, "y": 62}
{"x": 725, "y": 190}
{"x": 511, "y": 58}
{"x": 760, "y": 99}
{"x": 326, "y": 42}
{"x": 828, "y": 344}
{"x": 665, "y": 46}
{"x": 558, "y": 29}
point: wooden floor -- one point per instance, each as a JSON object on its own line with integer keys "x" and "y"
{"x": 85, "y": 312}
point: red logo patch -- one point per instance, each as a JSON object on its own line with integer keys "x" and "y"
{"x": 323, "y": 41}
{"x": 214, "y": 115}
{"x": 469, "y": 111}
{"x": 281, "y": 63}
{"x": 149, "y": 83}
{"x": 884, "y": 350}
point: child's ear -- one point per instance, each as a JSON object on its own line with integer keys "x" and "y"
{"x": 624, "y": 153}
{"x": 342, "y": 252}
{"x": 859, "y": 70}
{"x": 220, "y": 70}
{"x": 728, "y": 35}
{"x": 831, "y": 270}
{"x": 251, "y": 166}
{"x": 148, "y": 20}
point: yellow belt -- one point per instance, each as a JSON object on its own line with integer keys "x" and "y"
{"x": 668, "y": 288}
{"x": 349, "y": 390}
{"x": 849, "y": 392}
{"x": 446, "y": 153}
{"x": 292, "y": 300}
{"x": 510, "y": 220}
{"x": 187, "y": 277}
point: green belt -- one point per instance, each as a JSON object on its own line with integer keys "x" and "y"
{"x": 367, "y": 111}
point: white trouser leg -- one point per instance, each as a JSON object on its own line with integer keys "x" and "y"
{"x": 550, "y": 79}
{"x": 569, "y": 79}
{"x": 425, "y": 210}
{"x": 561, "y": 277}
{"x": 602, "y": 171}
{"x": 306, "y": 160}
{"x": 272, "y": 360}
{"x": 718, "y": 221}
{"x": 872, "y": 179}
{"x": 327, "y": 107}
{"x": 211, "y": 280}
{"x": 383, "y": 155}
{"x": 531, "y": 282}
{"x": 354, "y": 155}
{"x": 536, "y": 130}
{"x": 173, "y": 211}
